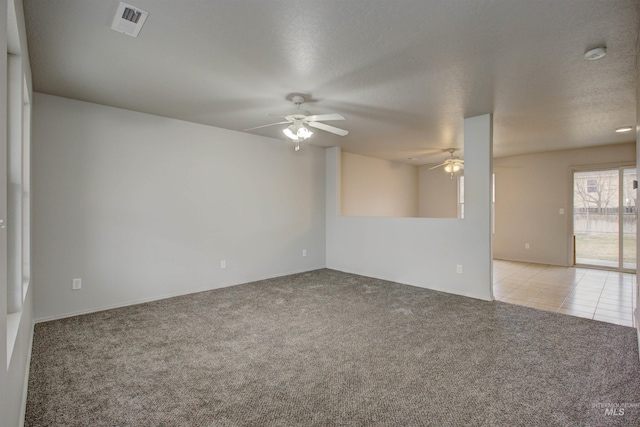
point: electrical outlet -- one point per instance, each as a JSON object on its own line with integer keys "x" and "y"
{"x": 459, "y": 268}
{"x": 526, "y": 246}
{"x": 304, "y": 252}
{"x": 561, "y": 211}
{"x": 223, "y": 263}
{"x": 76, "y": 284}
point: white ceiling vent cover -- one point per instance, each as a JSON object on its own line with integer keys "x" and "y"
{"x": 129, "y": 19}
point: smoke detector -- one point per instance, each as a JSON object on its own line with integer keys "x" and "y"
{"x": 129, "y": 19}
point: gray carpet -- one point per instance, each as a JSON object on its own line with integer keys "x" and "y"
{"x": 326, "y": 348}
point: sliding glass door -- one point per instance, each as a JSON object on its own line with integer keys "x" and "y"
{"x": 605, "y": 217}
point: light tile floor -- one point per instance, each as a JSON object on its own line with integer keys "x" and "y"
{"x": 601, "y": 295}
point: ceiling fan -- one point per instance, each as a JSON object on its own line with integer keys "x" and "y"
{"x": 452, "y": 164}
{"x": 299, "y": 119}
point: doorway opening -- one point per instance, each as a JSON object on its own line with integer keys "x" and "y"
{"x": 605, "y": 218}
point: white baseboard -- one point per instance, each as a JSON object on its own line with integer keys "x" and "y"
{"x": 165, "y": 296}
{"x": 431, "y": 286}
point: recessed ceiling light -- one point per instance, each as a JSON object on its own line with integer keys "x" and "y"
{"x": 596, "y": 53}
{"x": 624, "y": 129}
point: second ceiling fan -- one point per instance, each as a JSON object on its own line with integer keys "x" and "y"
{"x": 452, "y": 164}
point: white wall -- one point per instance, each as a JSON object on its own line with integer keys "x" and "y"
{"x": 421, "y": 251}
{"x": 376, "y": 187}
{"x": 530, "y": 191}
{"x": 143, "y": 207}
{"x": 438, "y": 193}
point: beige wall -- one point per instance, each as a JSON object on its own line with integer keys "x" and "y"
{"x": 376, "y": 187}
{"x": 530, "y": 191}
{"x": 438, "y": 193}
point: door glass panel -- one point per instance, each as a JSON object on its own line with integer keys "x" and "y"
{"x": 629, "y": 218}
{"x": 596, "y": 222}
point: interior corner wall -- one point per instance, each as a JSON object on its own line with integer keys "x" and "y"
{"x": 438, "y": 193}
{"x": 530, "y": 191}
{"x": 142, "y": 207}
{"x": 421, "y": 251}
{"x": 377, "y": 187}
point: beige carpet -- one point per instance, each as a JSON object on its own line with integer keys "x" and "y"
{"x": 326, "y": 348}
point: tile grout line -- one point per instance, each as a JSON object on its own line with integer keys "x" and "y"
{"x": 599, "y": 296}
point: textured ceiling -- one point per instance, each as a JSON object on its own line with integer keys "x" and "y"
{"x": 404, "y": 73}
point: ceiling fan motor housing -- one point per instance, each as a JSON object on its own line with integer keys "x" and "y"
{"x": 297, "y": 114}
{"x": 297, "y": 99}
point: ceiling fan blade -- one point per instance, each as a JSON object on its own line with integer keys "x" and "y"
{"x": 437, "y": 166}
{"x": 328, "y": 128}
{"x": 324, "y": 117}
{"x": 264, "y": 126}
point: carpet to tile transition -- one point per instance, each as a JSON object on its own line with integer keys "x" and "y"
{"x": 326, "y": 348}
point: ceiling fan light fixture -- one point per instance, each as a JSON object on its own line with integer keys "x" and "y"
{"x": 297, "y": 132}
{"x": 456, "y": 167}
{"x": 291, "y": 132}
{"x": 304, "y": 133}
{"x": 448, "y": 168}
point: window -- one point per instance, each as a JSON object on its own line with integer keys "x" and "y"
{"x": 493, "y": 200}
{"x": 461, "y": 196}
{"x": 18, "y": 184}
{"x": 17, "y": 174}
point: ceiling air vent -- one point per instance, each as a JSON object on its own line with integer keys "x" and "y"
{"x": 129, "y": 19}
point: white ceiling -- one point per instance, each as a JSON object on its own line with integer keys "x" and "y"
{"x": 404, "y": 73}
